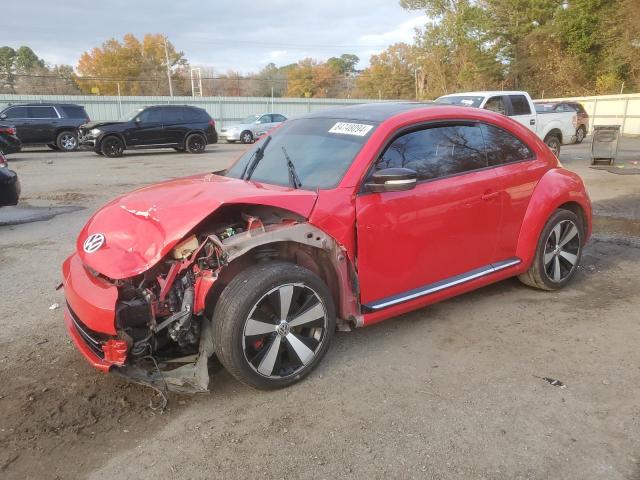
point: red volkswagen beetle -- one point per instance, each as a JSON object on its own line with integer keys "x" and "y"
{"x": 339, "y": 219}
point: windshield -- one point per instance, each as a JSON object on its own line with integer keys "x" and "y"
{"x": 462, "y": 100}
{"x": 131, "y": 115}
{"x": 320, "y": 149}
{"x": 250, "y": 119}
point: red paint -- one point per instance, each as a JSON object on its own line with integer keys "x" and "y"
{"x": 115, "y": 352}
{"x": 80, "y": 344}
{"x": 396, "y": 241}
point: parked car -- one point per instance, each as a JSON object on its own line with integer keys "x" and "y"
{"x": 181, "y": 127}
{"x": 582, "y": 127}
{"x": 341, "y": 218}
{"x": 555, "y": 128}
{"x": 9, "y": 142}
{"x": 52, "y": 124}
{"x": 9, "y": 184}
{"x": 252, "y": 127}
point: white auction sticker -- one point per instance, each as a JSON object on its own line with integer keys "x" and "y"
{"x": 346, "y": 128}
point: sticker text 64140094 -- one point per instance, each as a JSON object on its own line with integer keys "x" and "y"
{"x": 346, "y": 128}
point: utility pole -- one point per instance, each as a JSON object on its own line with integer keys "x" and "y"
{"x": 166, "y": 54}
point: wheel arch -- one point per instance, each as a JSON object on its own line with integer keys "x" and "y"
{"x": 111, "y": 134}
{"x": 301, "y": 244}
{"x": 554, "y": 132}
{"x": 558, "y": 188}
{"x": 59, "y": 130}
{"x": 195, "y": 131}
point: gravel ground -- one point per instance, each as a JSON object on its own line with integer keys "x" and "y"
{"x": 451, "y": 391}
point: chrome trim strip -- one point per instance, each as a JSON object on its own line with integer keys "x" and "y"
{"x": 444, "y": 284}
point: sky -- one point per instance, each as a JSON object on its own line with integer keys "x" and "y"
{"x": 225, "y": 35}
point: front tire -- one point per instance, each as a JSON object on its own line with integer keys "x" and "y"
{"x": 553, "y": 143}
{"x": 67, "y": 141}
{"x": 246, "y": 137}
{"x": 195, "y": 143}
{"x": 273, "y": 324}
{"x": 558, "y": 252}
{"x": 112, "y": 147}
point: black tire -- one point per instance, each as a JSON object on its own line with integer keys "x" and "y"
{"x": 552, "y": 255}
{"x": 195, "y": 143}
{"x": 231, "y": 141}
{"x": 67, "y": 141}
{"x": 53, "y": 147}
{"x": 258, "y": 292}
{"x": 99, "y": 153}
{"x": 580, "y": 134}
{"x": 246, "y": 137}
{"x": 112, "y": 147}
{"x": 554, "y": 144}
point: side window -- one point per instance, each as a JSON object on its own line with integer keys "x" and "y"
{"x": 495, "y": 104}
{"x": 520, "y": 105}
{"x": 42, "y": 112}
{"x": 437, "y": 152}
{"x": 172, "y": 115}
{"x": 265, "y": 119}
{"x": 16, "y": 112}
{"x": 278, "y": 118}
{"x": 74, "y": 112}
{"x": 153, "y": 115}
{"x": 502, "y": 147}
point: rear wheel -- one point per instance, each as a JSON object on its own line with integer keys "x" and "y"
{"x": 195, "y": 143}
{"x": 67, "y": 141}
{"x": 273, "y": 324}
{"x": 112, "y": 147}
{"x": 580, "y": 134}
{"x": 558, "y": 252}
{"x": 553, "y": 143}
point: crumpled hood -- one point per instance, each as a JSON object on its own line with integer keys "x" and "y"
{"x": 91, "y": 125}
{"x": 140, "y": 228}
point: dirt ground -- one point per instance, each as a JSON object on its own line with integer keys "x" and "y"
{"x": 453, "y": 391}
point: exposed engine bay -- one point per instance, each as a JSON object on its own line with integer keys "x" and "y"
{"x": 163, "y": 325}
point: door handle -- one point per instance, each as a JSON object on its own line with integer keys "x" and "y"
{"x": 532, "y": 121}
{"x": 489, "y": 195}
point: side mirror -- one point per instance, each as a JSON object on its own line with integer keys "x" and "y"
{"x": 137, "y": 120}
{"x": 392, "y": 180}
{"x": 3, "y": 116}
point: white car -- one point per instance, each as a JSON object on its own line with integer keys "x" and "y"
{"x": 554, "y": 128}
{"x": 251, "y": 127}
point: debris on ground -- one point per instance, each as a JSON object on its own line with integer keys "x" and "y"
{"x": 54, "y": 306}
{"x": 552, "y": 381}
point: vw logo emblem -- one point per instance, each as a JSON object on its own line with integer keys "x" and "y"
{"x": 93, "y": 242}
{"x": 283, "y": 329}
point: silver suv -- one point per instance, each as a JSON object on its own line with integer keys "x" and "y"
{"x": 251, "y": 127}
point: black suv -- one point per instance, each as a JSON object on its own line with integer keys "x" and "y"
{"x": 180, "y": 127}
{"x": 53, "y": 124}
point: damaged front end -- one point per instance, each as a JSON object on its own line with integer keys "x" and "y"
{"x": 160, "y": 331}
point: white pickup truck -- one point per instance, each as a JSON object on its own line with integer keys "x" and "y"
{"x": 555, "y": 128}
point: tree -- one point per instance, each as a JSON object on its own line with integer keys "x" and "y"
{"x": 7, "y": 69}
{"x": 390, "y": 74}
{"x": 139, "y": 66}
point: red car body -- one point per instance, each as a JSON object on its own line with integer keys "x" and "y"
{"x": 390, "y": 252}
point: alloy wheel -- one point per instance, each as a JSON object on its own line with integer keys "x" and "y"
{"x": 196, "y": 144}
{"x": 113, "y": 148}
{"x": 580, "y": 135}
{"x": 68, "y": 142}
{"x": 562, "y": 251}
{"x": 247, "y": 137}
{"x": 284, "y": 331}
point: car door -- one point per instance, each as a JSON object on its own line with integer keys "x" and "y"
{"x": 517, "y": 170}
{"x": 43, "y": 121}
{"x": 447, "y": 226}
{"x": 521, "y": 111}
{"x": 147, "y": 128}
{"x": 18, "y": 117}
{"x": 264, "y": 124}
{"x": 173, "y": 124}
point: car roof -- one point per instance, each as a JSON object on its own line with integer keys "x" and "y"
{"x": 370, "y": 112}
{"x": 45, "y": 104}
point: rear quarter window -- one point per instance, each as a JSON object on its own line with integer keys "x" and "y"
{"x": 502, "y": 147}
{"x": 42, "y": 112}
{"x": 74, "y": 111}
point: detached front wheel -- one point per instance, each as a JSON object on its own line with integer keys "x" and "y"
{"x": 273, "y": 324}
